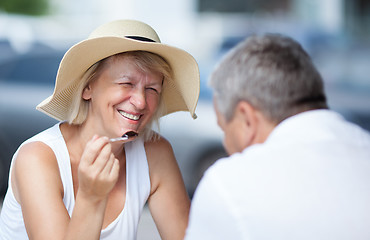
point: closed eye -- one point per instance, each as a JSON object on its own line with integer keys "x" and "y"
{"x": 153, "y": 89}
{"x": 128, "y": 84}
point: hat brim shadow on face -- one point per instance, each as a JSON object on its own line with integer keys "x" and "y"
{"x": 179, "y": 94}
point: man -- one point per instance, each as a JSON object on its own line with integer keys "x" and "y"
{"x": 296, "y": 169}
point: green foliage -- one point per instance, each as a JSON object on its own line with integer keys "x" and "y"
{"x": 27, "y": 7}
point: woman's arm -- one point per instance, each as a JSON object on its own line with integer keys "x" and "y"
{"x": 169, "y": 202}
{"x": 38, "y": 188}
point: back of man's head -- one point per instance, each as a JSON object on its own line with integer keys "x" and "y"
{"x": 272, "y": 73}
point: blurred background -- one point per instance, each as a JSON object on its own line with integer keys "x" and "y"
{"x": 34, "y": 34}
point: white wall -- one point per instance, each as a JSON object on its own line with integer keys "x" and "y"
{"x": 324, "y": 14}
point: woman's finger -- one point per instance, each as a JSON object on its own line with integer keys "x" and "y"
{"x": 100, "y": 162}
{"x": 114, "y": 172}
{"x": 93, "y": 149}
{"x": 108, "y": 166}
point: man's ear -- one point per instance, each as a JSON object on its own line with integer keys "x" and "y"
{"x": 257, "y": 126}
{"x": 86, "y": 93}
{"x": 247, "y": 112}
{"x": 248, "y": 120}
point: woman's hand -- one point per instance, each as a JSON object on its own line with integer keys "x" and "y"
{"x": 97, "y": 174}
{"x": 38, "y": 187}
{"x": 98, "y": 169}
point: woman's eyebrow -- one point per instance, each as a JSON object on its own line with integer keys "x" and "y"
{"x": 124, "y": 78}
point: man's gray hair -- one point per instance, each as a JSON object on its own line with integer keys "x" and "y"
{"x": 272, "y": 73}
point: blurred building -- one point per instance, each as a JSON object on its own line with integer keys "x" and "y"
{"x": 334, "y": 32}
{"x": 192, "y": 23}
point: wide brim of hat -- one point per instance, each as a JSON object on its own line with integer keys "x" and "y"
{"x": 180, "y": 94}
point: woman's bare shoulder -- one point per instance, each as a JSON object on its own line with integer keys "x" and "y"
{"x": 35, "y": 163}
{"x": 161, "y": 160}
{"x": 158, "y": 143}
{"x": 34, "y": 153}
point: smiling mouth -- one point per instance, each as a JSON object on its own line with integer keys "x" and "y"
{"x": 130, "y": 116}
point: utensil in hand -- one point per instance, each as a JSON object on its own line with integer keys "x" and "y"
{"x": 126, "y": 136}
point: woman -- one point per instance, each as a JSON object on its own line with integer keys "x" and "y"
{"x": 71, "y": 181}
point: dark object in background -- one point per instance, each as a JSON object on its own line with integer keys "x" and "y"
{"x": 24, "y": 81}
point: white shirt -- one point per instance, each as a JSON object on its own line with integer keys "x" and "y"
{"x": 309, "y": 180}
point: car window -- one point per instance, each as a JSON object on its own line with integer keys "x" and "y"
{"x": 35, "y": 69}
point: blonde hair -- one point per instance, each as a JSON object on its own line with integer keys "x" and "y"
{"x": 145, "y": 61}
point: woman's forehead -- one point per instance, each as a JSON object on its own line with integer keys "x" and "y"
{"x": 127, "y": 69}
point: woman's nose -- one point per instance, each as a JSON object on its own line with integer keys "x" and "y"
{"x": 138, "y": 98}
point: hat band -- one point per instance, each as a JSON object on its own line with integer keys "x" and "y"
{"x": 139, "y": 38}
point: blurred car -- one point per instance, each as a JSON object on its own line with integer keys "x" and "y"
{"x": 197, "y": 143}
{"x": 27, "y": 79}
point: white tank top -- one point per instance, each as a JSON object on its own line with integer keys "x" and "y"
{"x": 137, "y": 190}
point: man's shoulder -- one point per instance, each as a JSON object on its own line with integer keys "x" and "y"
{"x": 235, "y": 167}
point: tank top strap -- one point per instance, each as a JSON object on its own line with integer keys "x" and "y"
{"x": 137, "y": 193}
{"x": 54, "y": 139}
{"x": 137, "y": 171}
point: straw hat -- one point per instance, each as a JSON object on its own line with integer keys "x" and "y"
{"x": 180, "y": 94}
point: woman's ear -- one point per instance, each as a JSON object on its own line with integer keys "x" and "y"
{"x": 86, "y": 93}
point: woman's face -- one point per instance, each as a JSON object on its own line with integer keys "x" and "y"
{"x": 123, "y": 98}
